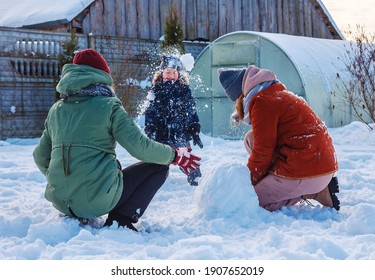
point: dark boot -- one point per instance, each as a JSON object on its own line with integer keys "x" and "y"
{"x": 327, "y": 197}
{"x": 333, "y": 188}
{"x": 122, "y": 221}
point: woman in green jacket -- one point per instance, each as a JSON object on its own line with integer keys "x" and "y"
{"x": 76, "y": 151}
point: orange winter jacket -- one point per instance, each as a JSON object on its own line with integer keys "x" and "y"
{"x": 290, "y": 140}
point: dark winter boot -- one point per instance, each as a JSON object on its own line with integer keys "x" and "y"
{"x": 333, "y": 188}
{"x": 122, "y": 221}
{"x": 327, "y": 197}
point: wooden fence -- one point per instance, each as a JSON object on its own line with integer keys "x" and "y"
{"x": 29, "y": 69}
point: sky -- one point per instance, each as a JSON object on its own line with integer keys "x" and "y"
{"x": 350, "y": 12}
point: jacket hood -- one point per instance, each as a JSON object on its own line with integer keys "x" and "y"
{"x": 75, "y": 77}
{"x": 158, "y": 78}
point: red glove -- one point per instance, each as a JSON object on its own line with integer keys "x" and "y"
{"x": 187, "y": 161}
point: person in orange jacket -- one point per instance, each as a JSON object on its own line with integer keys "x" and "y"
{"x": 292, "y": 157}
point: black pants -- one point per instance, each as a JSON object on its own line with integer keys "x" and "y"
{"x": 141, "y": 182}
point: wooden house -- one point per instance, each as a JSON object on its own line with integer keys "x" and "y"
{"x": 204, "y": 20}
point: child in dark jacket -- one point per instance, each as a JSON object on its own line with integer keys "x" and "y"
{"x": 171, "y": 116}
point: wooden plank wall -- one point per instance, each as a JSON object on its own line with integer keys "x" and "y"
{"x": 204, "y": 19}
{"x": 28, "y": 67}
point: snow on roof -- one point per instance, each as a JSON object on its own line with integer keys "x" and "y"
{"x": 29, "y": 12}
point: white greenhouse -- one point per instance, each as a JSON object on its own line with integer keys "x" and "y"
{"x": 307, "y": 66}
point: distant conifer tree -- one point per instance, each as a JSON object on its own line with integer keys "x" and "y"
{"x": 173, "y": 35}
{"x": 69, "y": 48}
{"x": 66, "y": 56}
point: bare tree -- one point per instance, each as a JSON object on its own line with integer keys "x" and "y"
{"x": 358, "y": 91}
{"x": 129, "y": 66}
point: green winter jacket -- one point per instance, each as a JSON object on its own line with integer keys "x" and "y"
{"x": 76, "y": 151}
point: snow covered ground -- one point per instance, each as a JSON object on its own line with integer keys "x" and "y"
{"x": 218, "y": 220}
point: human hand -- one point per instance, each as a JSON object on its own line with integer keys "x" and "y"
{"x": 186, "y": 160}
{"x": 197, "y": 140}
{"x": 194, "y": 130}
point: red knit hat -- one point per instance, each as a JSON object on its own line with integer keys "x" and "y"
{"x": 91, "y": 58}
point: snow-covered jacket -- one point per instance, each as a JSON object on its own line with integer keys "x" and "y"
{"x": 171, "y": 116}
{"x": 76, "y": 152}
{"x": 290, "y": 140}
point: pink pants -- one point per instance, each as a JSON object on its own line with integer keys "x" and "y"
{"x": 275, "y": 192}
